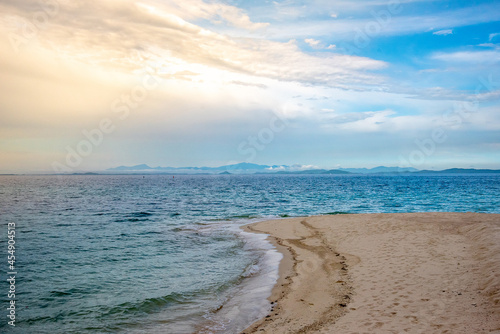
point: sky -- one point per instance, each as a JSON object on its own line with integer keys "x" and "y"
{"x": 90, "y": 85}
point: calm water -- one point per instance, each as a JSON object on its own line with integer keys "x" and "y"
{"x": 113, "y": 254}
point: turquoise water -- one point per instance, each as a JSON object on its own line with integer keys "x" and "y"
{"x": 153, "y": 254}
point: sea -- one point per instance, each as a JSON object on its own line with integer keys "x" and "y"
{"x": 165, "y": 254}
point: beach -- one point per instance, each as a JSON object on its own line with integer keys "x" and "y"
{"x": 385, "y": 273}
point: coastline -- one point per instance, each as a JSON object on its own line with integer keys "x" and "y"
{"x": 384, "y": 273}
{"x": 245, "y": 302}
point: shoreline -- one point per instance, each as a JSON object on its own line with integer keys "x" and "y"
{"x": 285, "y": 272}
{"x": 282, "y": 290}
{"x": 245, "y": 302}
{"x": 387, "y": 273}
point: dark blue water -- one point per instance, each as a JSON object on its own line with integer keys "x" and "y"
{"x": 153, "y": 254}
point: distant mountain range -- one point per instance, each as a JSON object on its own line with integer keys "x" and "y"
{"x": 461, "y": 171}
{"x": 250, "y": 168}
{"x": 244, "y": 166}
{"x": 380, "y": 169}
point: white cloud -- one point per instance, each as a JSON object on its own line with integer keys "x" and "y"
{"x": 213, "y": 11}
{"x": 162, "y": 34}
{"x": 489, "y": 95}
{"x": 313, "y": 42}
{"x": 443, "y": 32}
{"x": 292, "y": 168}
{"x": 475, "y": 57}
{"x": 316, "y": 44}
{"x": 368, "y": 121}
{"x": 492, "y": 36}
{"x": 488, "y": 45}
{"x": 347, "y": 28}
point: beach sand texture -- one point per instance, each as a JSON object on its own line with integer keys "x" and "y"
{"x": 385, "y": 273}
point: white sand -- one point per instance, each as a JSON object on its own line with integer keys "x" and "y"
{"x": 386, "y": 273}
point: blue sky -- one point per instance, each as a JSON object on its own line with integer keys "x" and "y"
{"x": 93, "y": 85}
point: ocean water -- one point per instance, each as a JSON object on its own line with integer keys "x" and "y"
{"x": 157, "y": 254}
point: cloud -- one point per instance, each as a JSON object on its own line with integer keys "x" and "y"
{"x": 313, "y": 42}
{"x": 393, "y": 25}
{"x": 443, "y": 32}
{"x": 249, "y": 84}
{"x": 475, "y": 57}
{"x": 351, "y": 117}
{"x": 489, "y": 45}
{"x": 461, "y": 116}
{"x": 109, "y": 35}
{"x": 492, "y": 36}
{"x": 316, "y": 44}
{"x": 343, "y": 7}
{"x": 368, "y": 121}
{"x": 292, "y": 168}
{"x": 218, "y": 11}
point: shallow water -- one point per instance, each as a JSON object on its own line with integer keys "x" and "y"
{"x": 153, "y": 254}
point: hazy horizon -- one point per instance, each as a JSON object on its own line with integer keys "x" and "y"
{"x": 92, "y": 85}
{"x": 188, "y": 170}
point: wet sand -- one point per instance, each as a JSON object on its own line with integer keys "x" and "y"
{"x": 385, "y": 273}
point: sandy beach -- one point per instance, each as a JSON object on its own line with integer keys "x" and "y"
{"x": 385, "y": 273}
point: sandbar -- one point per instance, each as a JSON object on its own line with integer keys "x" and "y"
{"x": 385, "y": 273}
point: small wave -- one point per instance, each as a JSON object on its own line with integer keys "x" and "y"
{"x": 131, "y": 220}
{"x": 59, "y": 293}
{"x": 135, "y": 217}
{"x": 69, "y": 292}
{"x": 124, "y": 310}
{"x": 184, "y": 229}
{"x": 147, "y": 306}
{"x": 251, "y": 270}
{"x": 42, "y": 319}
{"x": 244, "y": 216}
{"x": 141, "y": 214}
{"x": 150, "y": 232}
{"x": 337, "y": 213}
